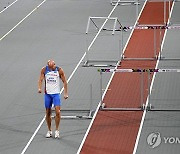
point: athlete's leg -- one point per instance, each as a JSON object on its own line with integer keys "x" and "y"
{"x": 48, "y": 118}
{"x": 57, "y": 104}
{"x": 58, "y": 116}
{"x": 48, "y": 104}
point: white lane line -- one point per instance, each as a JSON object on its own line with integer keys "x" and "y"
{"x": 8, "y": 6}
{"x": 37, "y": 129}
{"x": 22, "y": 20}
{"x": 91, "y": 123}
{"x": 147, "y": 101}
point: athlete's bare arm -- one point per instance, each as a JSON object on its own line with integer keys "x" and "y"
{"x": 41, "y": 78}
{"x": 63, "y": 78}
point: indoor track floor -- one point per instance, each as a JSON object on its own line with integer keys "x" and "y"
{"x": 33, "y": 31}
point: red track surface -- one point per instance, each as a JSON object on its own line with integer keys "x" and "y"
{"x": 116, "y": 131}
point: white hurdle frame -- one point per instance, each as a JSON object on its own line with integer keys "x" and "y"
{"x": 89, "y": 111}
{"x": 149, "y": 107}
{"x": 103, "y": 105}
{"x": 134, "y": 2}
{"x": 169, "y": 9}
{"x": 109, "y": 63}
{"x": 155, "y": 27}
{"x": 137, "y": 2}
{"x": 113, "y": 2}
{"x": 91, "y": 19}
{"x": 155, "y": 57}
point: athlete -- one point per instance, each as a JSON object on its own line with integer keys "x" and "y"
{"x": 52, "y": 74}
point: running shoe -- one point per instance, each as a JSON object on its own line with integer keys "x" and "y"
{"x": 57, "y": 134}
{"x": 49, "y": 134}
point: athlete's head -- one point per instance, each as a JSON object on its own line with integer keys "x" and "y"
{"x": 51, "y": 64}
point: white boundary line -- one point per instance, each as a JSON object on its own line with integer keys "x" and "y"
{"x": 147, "y": 101}
{"x": 21, "y": 20}
{"x": 91, "y": 123}
{"x": 8, "y": 6}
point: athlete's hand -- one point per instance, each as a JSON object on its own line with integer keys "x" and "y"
{"x": 39, "y": 91}
{"x": 65, "y": 96}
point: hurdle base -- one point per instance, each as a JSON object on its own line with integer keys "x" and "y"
{"x": 165, "y": 110}
{"x": 142, "y": 59}
{"x": 152, "y": 108}
{"x": 164, "y": 58}
{"x": 122, "y": 109}
{"x": 73, "y": 117}
{"x": 75, "y": 110}
{"x": 104, "y": 108}
{"x": 89, "y": 115}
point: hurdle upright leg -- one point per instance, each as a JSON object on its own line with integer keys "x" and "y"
{"x": 137, "y": 11}
{"x": 164, "y": 12}
{"x": 122, "y": 44}
{"x": 160, "y": 41}
{"x": 101, "y": 93}
{"x": 149, "y": 88}
{"x": 142, "y": 89}
{"x": 155, "y": 46}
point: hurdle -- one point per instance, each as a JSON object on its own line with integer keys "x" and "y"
{"x": 141, "y": 106}
{"x": 130, "y": 2}
{"x": 106, "y": 62}
{"x": 113, "y": 2}
{"x": 137, "y": 2}
{"x": 169, "y": 9}
{"x": 77, "y": 113}
{"x": 155, "y": 28}
{"x": 144, "y": 27}
{"x": 149, "y": 106}
{"x": 92, "y": 19}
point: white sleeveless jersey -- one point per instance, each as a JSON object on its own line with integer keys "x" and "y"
{"x": 52, "y": 81}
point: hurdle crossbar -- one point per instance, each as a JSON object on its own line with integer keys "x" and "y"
{"x": 125, "y": 28}
{"x": 121, "y": 109}
{"x": 153, "y": 27}
{"x": 113, "y": 2}
{"x": 108, "y": 70}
